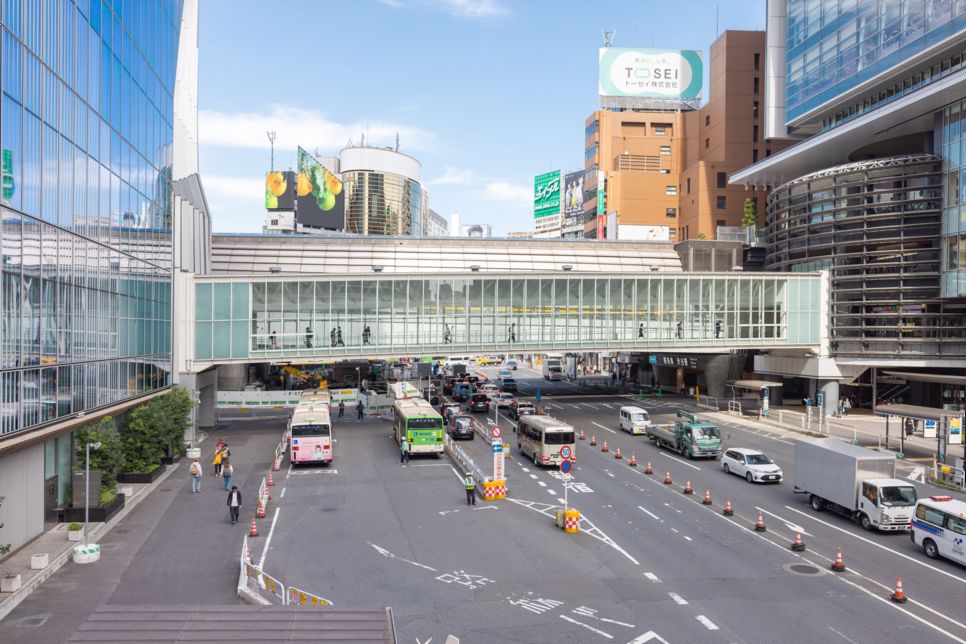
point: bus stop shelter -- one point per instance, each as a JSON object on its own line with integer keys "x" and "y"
{"x": 943, "y": 420}
{"x": 751, "y": 385}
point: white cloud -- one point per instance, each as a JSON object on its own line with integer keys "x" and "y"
{"x": 458, "y": 8}
{"x": 506, "y": 191}
{"x": 452, "y": 176}
{"x": 295, "y": 126}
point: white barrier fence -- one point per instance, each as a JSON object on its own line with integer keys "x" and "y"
{"x": 258, "y": 398}
{"x": 463, "y": 460}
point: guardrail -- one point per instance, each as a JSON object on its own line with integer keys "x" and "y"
{"x": 959, "y": 474}
{"x": 794, "y": 420}
{"x": 463, "y": 460}
{"x": 734, "y": 407}
{"x": 711, "y": 404}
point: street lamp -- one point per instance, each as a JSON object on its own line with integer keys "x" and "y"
{"x": 87, "y": 488}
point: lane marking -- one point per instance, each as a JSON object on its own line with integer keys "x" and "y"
{"x": 541, "y": 484}
{"x": 614, "y": 621}
{"x": 602, "y": 427}
{"x": 707, "y": 622}
{"x": 680, "y": 461}
{"x": 457, "y": 476}
{"x": 791, "y": 526}
{"x": 524, "y": 469}
{"x": 688, "y": 538}
{"x": 589, "y": 405}
{"x": 647, "y": 637}
{"x": 673, "y": 508}
{"x": 648, "y": 512}
{"x": 851, "y": 641}
{"x": 386, "y": 553}
{"x": 678, "y": 599}
{"x": 282, "y": 495}
{"x": 533, "y": 476}
{"x": 652, "y": 577}
{"x": 554, "y": 492}
{"x": 878, "y": 545}
{"x": 433, "y": 465}
{"x": 261, "y": 562}
{"x": 587, "y": 626}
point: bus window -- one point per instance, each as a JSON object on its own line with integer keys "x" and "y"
{"x": 303, "y": 431}
{"x": 559, "y": 438}
{"x": 425, "y": 423}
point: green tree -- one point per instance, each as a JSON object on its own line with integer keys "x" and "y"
{"x": 109, "y": 457}
{"x": 150, "y": 426}
{"x": 701, "y": 236}
{"x": 751, "y": 213}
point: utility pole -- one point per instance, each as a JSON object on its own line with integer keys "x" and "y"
{"x": 271, "y": 139}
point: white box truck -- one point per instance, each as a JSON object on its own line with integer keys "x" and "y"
{"x": 553, "y": 366}
{"x": 853, "y": 481}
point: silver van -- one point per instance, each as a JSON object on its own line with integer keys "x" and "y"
{"x": 634, "y": 420}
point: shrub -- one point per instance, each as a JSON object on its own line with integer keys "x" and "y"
{"x": 109, "y": 457}
{"x": 750, "y": 215}
{"x": 150, "y": 427}
{"x": 107, "y": 496}
{"x": 74, "y": 527}
{"x": 4, "y": 549}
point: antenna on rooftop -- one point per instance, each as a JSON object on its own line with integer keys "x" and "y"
{"x": 608, "y": 35}
{"x": 397, "y": 141}
{"x": 271, "y": 140}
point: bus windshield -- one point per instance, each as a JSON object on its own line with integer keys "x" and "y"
{"x": 893, "y": 497}
{"x": 303, "y": 431}
{"x": 425, "y": 423}
{"x": 558, "y": 438}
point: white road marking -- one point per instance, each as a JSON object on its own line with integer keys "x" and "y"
{"x": 678, "y": 599}
{"x": 614, "y": 621}
{"x": 386, "y": 553}
{"x": 457, "y": 476}
{"x": 289, "y": 472}
{"x": 878, "y": 545}
{"x": 524, "y": 469}
{"x": 533, "y": 476}
{"x": 560, "y": 501}
{"x": 554, "y": 492}
{"x": 688, "y": 538}
{"x": 851, "y": 641}
{"x": 791, "y": 526}
{"x": 647, "y": 637}
{"x": 602, "y": 427}
{"x": 282, "y": 495}
{"x": 673, "y": 530}
{"x": 587, "y": 626}
{"x": 707, "y": 622}
{"x": 432, "y": 465}
{"x": 541, "y": 484}
{"x": 445, "y": 512}
{"x": 680, "y": 461}
{"x": 589, "y": 405}
{"x": 648, "y": 512}
{"x": 673, "y": 508}
{"x": 651, "y": 576}
{"x": 261, "y": 562}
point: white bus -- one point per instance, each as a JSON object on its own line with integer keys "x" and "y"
{"x": 310, "y": 429}
{"x": 939, "y": 526}
{"x": 404, "y": 390}
{"x": 541, "y": 437}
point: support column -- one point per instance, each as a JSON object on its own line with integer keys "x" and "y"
{"x": 830, "y": 393}
{"x": 206, "y": 410}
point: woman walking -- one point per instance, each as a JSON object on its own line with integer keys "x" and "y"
{"x": 226, "y": 471}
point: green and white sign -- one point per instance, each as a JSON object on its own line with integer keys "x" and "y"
{"x": 658, "y": 73}
{"x": 546, "y": 194}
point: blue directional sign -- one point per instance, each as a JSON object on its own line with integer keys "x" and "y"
{"x": 497, "y": 447}
{"x": 653, "y": 359}
{"x": 566, "y": 466}
{"x": 538, "y": 394}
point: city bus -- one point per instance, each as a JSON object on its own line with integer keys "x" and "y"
{"x": 404, "y": 390}
{"x": 541, "y": 437}
{"x": 317, "y": 396}
{"x": 310, "y": 429}
{"x": 420, "y": 423}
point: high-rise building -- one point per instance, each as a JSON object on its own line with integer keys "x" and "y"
{"x": 383, "y": 193}
{"x": 436, "y": 225}
{"x": 101, "y": 201}
{"x": 873, "y": 193}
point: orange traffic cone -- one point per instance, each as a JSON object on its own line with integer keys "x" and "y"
{"x": 667, "y": 478}
{"x": 261, "y": 510}
{"x": 618, "y": 455}
{"x": 581, "y": 434}
{"x": 648, "y": 470}
{"x": 838, "y": 566}
{"x": 798, "y": 546}
{"x": 687, "y": 488}
{"x": 897, "y": 596}
{"x": 604, "y": 448}
{"x": 254, "y": 530}
{"x": 707, "y": 497}
{"x": 593, "y": 439}
{"x": 728, "y": 511}
{"x": 270, "y": 481}
{"x": 275, "y": 469}
{"x": 760, "y": 526}
{"x": 633, "y": 462}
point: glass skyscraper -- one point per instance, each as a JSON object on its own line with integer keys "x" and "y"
{"x": 87, "y": 129}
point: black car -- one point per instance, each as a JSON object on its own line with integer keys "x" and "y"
{"x": 478, "y": 402}
{"x": 508, "y": 384}
{"x": 462, "y": 428}
{"x": 448, "y": 385}
{"x": 450, "y": 410}
{"x": 519, "y": 408}
{"x": 430, "y": 394}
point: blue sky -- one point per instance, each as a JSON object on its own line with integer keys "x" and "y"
{"x": 484, "y": 93}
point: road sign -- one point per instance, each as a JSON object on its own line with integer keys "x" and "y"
{"x": 498, "y": 447}
{"x": 566, "y": 466}
{"x": 497, "y": 432}
{"x": 538, "y": 394}
{"x": 653, "y": 359}
{"x": 565, "y": 451}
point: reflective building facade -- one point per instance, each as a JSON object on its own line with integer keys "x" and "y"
{"x": 383, "y": 194}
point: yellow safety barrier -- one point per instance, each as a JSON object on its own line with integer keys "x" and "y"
{"x": 302, "y": 598}
{"x": 572, "y": 521}
{"x": 493, "y": 490}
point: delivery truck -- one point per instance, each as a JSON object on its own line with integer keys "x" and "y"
{"x": 553, "y": 367}
{"x": 853, "y": 481}
{"x": 691, "y": 437}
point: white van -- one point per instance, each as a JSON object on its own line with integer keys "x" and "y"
{"x": 634, "y": 420}
{"x": 466, "y": 360}
{"x": 939, "y": 526}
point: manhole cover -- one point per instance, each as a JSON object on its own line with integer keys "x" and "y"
{"x": 122, "y": 532}
{"x": 33, "y": 621}
{"x": 806, "y": 570}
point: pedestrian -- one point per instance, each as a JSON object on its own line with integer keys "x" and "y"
{"x": 308, "y": 338}
{"x": 910, "y": 427}
{"x": 846, "y": 405}
{"x": 273, "y": 341}
{"x": 682, "y": 388}
{"x": 691, "y": 392}
{"x": 359, "y": 410}
{"x": 447, "y": 334}
{"x": 234, "y": 503}
{"x": 195, "y": 477}
{"x": 654, "y": 382}
{"x": 226, "y": 471}
{"x": 404, "y": 451}
{"x": 513, "y": 332}
{"x": 341, "y": 408}
{"x": 338, "y": 337}
{"x": 640, "y": 330}
{"x": 217, "y": 461}
{"x": 613, "y": 376}
{"x": 680, "y": 331}
{"x": 221, "y": 442}
{"x": 838, "y": 408}
{"x": 332, "y": 337}
{"x": 717, "y": 329}
{"x": 470, "y": 489}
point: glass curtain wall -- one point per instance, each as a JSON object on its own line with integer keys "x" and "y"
{"x": 86, "y": 119}
{"x": 377, "y": 203}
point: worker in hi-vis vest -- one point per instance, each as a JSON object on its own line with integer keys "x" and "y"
{"x": 470, "y": 489}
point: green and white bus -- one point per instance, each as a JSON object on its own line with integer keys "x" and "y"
{"x": 420, "y": 423}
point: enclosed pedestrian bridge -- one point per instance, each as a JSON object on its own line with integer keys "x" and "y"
{"x": 330, "y": 298}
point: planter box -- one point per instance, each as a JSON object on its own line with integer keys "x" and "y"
{"x": 171, "y": 460}
{"x": 145, "y": 478}
{"x": 75, "y": 535}
{"x": 39, "y": 562}
{"x": 97, "y": 515}
{"x": 10, "y": 584}
{"x": 193, "y": 452}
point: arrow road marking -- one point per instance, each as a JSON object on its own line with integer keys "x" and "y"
{"x": 791, "y": 526}
{"x": 386, "y": 553}
{"x": 647, "y": 637}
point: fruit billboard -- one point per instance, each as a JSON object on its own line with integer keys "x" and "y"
{"x": 320, "y": 200}
{"x": 280, "y": 190}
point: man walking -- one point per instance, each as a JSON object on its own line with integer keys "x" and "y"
{"x": 234, "y": 503}
{"x": 846, "y": 405}
{"x": 470, "y": 489}
{"x": 359, "y": 410}
{"x": 341, "y": 408}
{"x": 195, "y": 477}
{"x": 682, "y": 388}
{"x": 404, "y": 451}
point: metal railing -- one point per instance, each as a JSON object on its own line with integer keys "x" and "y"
{"x": 463, "y": 459}
{"x": 734, "y": 406}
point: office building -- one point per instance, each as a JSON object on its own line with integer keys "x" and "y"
{"x": 383, "y": 192}
{"x": 873, "y": 192}
{"x": 101, "y": 203}
{"x": 436, "y": 226}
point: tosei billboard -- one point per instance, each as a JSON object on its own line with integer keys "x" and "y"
{"x": 657, "y": 73}
{"x": 476, "y": 230}
{"x": 321, "y": 202}
{"x": 573, "y": 210}
{"x": 546, "y": 194}
{"x": 280, "y": 190}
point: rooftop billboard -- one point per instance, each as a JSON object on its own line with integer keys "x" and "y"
{"x": 573, "y": 210}
{"x": 321, "y": 202}
{"x": 280, "y": 190}
{"x": 476, "y": 230}
{"x": 656, "y": 73}
{"x": 546, "y": 194}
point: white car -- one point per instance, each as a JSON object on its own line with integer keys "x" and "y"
{"x": 755, "y": 466}
{"x": 634, "y": 420}
{"x": 505, "y": 400}
{"x": 490, "y": 390}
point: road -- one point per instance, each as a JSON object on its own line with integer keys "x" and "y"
{"x": 650, "y": 564}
